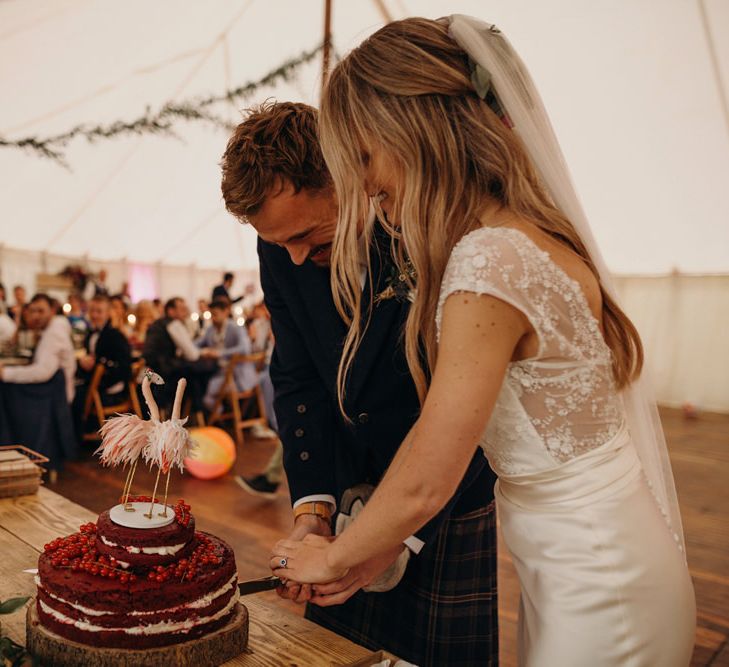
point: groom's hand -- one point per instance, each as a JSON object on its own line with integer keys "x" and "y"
{"x": 338, "y": 592}
{"x": 306, "y": 524}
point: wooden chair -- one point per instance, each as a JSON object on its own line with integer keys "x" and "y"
{"x": 239, "y": 402}
{"x": 128, "y": 402}
{"x": 137, "y": 367}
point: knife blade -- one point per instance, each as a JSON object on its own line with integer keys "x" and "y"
{"x": 259, "y": 585}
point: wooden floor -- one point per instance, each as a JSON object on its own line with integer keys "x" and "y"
{"x": 700, "y": 455}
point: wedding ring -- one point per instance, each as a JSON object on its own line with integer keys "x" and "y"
{"x": 283, "y": 562}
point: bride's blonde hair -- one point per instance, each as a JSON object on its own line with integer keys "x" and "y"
{"x": 407, "y": 91}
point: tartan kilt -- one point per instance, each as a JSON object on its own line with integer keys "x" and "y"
{"x": 444, "y": 611}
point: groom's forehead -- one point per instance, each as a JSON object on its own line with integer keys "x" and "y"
{"x": 284, "y": 216}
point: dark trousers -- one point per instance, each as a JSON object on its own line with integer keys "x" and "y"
{"x": 445, "y": 610}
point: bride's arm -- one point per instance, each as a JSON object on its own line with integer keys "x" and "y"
{"x": 478, "y": 337}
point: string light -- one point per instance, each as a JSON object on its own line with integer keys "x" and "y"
{"x": 195, "y": 317}
{"x": 132, "y": 319}
{"x": 241, "y": 321}
{"x": 207, "y": 315}
{"x": 67, "y": 308}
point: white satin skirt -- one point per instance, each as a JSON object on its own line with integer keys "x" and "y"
{"x": 603, "y": 582}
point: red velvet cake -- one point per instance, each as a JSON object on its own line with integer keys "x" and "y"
{"x": 112, "y": 586}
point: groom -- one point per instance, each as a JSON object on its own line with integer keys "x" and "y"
{"x": 443, "y": 609}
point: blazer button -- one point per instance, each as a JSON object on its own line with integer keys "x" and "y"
{"x": 299, "y": 432}
{"x": 304, "y": 456}
{"x": 301, "y": 409}
{"x": 363, "y": 418}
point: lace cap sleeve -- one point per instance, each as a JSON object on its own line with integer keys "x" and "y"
{"x": 495, "y": 262}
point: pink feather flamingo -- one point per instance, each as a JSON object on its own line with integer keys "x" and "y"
{"x": 167, "y": 445}
{"x": 124, "y": 438}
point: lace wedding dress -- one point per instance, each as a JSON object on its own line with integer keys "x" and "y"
{"x": 603, "y": 578}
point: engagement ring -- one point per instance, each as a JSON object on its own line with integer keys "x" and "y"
{"x": 283, "y": 563}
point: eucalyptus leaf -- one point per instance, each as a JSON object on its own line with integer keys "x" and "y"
{"x": 11, "y": 605}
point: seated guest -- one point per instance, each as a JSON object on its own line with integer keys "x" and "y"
{"x": 119, "y": 315}
{"x": 146, "y": 313}
{"x": 225, "y": 336}
{"x": 25, "y": 338}
{"x": 79, "y": 323}
{"x": 53, "y": 352}
{"x": 259, "y": 328}
{"x": 221, "y": 292}
{"x": 170, "y": 351}
{"x": 108, "y": 346}
{"x": 16, "y": 309}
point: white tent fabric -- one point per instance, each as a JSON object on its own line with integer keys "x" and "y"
{"x": 637, "y": 91}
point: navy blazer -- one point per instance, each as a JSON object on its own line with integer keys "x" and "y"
{"x": 323, "y": 454}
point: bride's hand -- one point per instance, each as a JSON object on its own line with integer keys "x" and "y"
{"x": 305, "y": 561}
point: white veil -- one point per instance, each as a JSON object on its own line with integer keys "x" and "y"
{"x": 509, "y": 81}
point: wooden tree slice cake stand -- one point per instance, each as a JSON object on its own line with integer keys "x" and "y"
{"x": 214, "y": 649}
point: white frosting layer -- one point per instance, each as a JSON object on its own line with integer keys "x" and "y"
{"x": 169, "y": 550}
{"x": 163, "y": 627}
{"x": 204, "y": 601}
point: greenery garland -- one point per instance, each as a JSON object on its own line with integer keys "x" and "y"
{"x": 161, "y": 122}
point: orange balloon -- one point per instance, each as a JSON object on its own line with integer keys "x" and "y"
{"x": 213, "y": 454}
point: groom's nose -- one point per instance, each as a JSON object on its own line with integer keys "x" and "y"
{"x": 298, "y": 252}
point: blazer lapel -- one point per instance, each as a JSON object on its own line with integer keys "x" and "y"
{"x": 329, "y": 329}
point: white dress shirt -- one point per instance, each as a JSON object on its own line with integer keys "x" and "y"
{"x": 54, "y": 351}
{"x": 186, "y": 347}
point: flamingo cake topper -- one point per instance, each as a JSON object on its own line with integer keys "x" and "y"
{"x": 165, "y": 444}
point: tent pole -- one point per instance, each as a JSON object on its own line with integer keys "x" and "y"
{"x": 327, "y": 44}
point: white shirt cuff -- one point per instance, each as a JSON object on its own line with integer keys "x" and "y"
{"x": 318, "y": 498}
{"x": 415, "y": 544}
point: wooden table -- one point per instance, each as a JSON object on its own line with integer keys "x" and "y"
{"x": 277, "y": 637}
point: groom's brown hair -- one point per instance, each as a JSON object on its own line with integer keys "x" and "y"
{"x": 278, "y": 142}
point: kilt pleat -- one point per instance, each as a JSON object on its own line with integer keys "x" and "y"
{"x": 444, "y": 611}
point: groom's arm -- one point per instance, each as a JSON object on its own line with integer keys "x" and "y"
{"x": 301, "y": 402}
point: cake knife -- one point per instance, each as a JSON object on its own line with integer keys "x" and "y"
{"x": 258, "y": 585}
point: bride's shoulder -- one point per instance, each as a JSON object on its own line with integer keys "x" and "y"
{"x": 492, "y": 246}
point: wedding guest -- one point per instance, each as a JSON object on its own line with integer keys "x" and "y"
{"x": 54, "y": 350}
{"x": 222, "y": 291}
{"x": 25, "y": 338}
{"x": 119, "y": 315}
{"x": 170, "y": 351}
{"x": 145, "y": 314}
{"x": 228, "y": 338}
{"x": 107, "y": 346}
{"x": 126, "y": 296}
{"x": 77, "y": 319}
{"x": 20, "y": 300}
{"x": 201, "y": 323}
{"x": 96, "y": 286}
{"x": 158, "y": 307}
{"x": 433, "y": 596}
{"x": 104, "y": 344}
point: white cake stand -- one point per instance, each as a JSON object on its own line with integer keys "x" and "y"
{"x": 136, "y": 515}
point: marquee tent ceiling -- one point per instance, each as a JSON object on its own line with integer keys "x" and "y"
{"x": 637, "y": 91}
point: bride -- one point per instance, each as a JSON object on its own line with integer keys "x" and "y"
{"x": 515, "y": 342}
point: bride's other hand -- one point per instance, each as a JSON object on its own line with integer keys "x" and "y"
{"x": 306, "y": 561}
